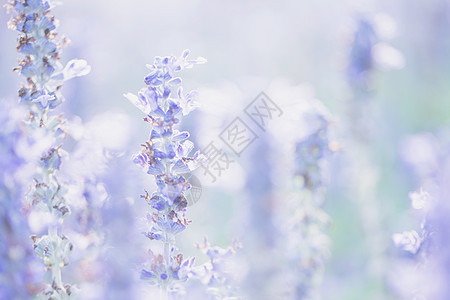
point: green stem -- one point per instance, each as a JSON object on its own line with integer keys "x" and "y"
{"x": 164, "y": 291}
{"x": 56, "y": 267}
{"x": 56, "y": 275}
{"x": 166, "y": 252}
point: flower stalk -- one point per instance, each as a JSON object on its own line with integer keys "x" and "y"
{"x": 165, "y": 155}
{"x": 307, "y": 244}
{"x": 39, "y": 48}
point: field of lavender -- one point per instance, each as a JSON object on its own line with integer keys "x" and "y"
{"x": 297, "y": 150}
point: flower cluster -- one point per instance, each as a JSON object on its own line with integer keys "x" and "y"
{"x": 425, "y": 254}
{"x": 361, "y": 62}
{"x": 306, "y": 243}
{"x": 261, "y": 227}
{"x": 17, "y": 277}
{"x": 217, "y": 274}
{"x": 310, "y": 153}
{"x": 161, "y": 274}
{"x": 420, "y": 252}
{"x": 99, "y": 182}
{"x": 166, "y": 156}
{"x": 39, "y": 49}
{"x": 369, "y": 51}
{"x": 411, "y": 241}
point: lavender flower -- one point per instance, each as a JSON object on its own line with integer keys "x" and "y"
{"x": 408, "y": 241}
{"x": 424, "y": 265}
{"x": 306, "y": 243}
{"x": 417, "y": 258}
{"x": 311, "y": 152}
{"x": 166, "y": 156}
{"x": 367, "y": 54}
{"x": 361, "y": 61}
{"x": 217, "y": 275}
{"x": 18, "y": 280}
{"x": 369, "y": 51}
{"x": 261, "y": 232}
{"x": 39, "y": 50}
{"x": 300, "y": 178}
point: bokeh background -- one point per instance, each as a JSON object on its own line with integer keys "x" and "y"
{"x": 279, "y": 47}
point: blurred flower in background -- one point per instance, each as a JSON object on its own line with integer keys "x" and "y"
{"x": 20, "y": 270}
{"x": 423, "y": 253}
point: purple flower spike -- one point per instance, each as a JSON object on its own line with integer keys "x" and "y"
{"x": 40, "y": 50}
{"x": 166, "y": 155}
